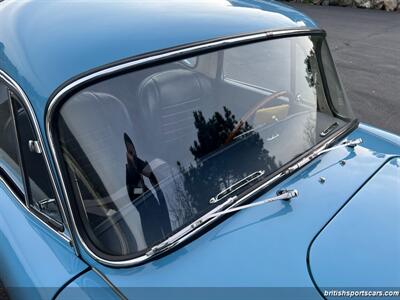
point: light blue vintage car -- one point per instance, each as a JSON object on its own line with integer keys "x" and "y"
{"x": 186, "y": 150}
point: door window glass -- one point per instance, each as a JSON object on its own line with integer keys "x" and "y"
{"x": 9, "y": 161}
{"x": 38, "y": 183}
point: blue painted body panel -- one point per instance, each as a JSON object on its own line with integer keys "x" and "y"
{"x": 34, "y": 262}
{"x": 361, "y": 246}
{"x": 265, "y": 246}
{"x": 45, "y": 43}
{"x": 88, "y": 286}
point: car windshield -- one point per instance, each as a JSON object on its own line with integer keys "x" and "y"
{"x": 147, "y": 152}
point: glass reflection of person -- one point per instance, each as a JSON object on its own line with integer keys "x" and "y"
{"x": 153, "y": 213}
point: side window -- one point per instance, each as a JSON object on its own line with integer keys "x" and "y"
{"x": 9, "y": 158}
{"x": 38, "y": 185}
{"x": 306, "y": 86}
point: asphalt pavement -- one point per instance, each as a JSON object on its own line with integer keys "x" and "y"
{"x": 365, "y": 45}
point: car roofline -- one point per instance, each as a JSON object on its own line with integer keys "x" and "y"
{"x": 171, "y": 53}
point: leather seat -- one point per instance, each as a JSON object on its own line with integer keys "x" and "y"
{"x": 167, "y": 102}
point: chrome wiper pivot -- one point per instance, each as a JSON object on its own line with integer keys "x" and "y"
{"x": 346, "y": 143}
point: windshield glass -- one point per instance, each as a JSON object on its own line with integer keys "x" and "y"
{"x": 148, "y": 152}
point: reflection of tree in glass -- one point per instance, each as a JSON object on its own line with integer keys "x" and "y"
{"x": 218, "y": 165}
{"x": 309, "y": 130}
{"x": 213, "y": 133}
{"x": 310, "y": 73}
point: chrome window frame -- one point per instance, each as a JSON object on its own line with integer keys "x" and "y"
{"x": 20, "y": 94}
{"x": 129, "y": 64}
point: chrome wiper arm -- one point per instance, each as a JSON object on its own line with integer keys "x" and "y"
{"x": 220, "y": 209}
{"x": 347, "y": 143}
{"x": 184, "y": 231}
{"x": 281, "y": 195}
{"x": 326, "y": 148}
{"x": 211, "y": 214}
{"x": 214, "y": 213}
{"x": 237, "y": 186}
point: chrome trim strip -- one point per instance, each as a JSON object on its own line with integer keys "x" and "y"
{"x": 137, "y": 62}
{"x": 110, "y": 284}
{"x": 27, "y": 105}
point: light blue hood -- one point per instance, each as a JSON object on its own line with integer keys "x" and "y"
{"x": 267, "y": 247}
{"x": 359, "y": 249}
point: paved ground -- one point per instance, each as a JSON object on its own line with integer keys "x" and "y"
{"x": 365, "y": 45}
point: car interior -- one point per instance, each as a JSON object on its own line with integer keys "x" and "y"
{"x": 156, "y": 107}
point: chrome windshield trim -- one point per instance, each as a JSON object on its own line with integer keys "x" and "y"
{"x": 32, "y": 116}
{"x": 59, "y": 94}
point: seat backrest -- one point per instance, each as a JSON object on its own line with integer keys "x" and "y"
{"x": 168, "y": 100}
{"x": 97, "y": 122}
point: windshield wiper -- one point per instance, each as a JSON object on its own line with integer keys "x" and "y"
{"x": 237, "y": 186}
{"x": 222, "y": 208}
{"x": 347, "y": 143}
{"x": 281, "y": 195}
{"x": 174, "y": 238}
{"x": 216, "y": 212}
{"x": 223, "y": 194}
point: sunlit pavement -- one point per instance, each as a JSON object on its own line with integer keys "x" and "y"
{"x": 365, "y": 46}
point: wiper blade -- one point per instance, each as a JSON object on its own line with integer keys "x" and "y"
{"x": 237, "y": 186}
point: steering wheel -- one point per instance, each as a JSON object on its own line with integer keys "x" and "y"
{"x": 251, "y": 113}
